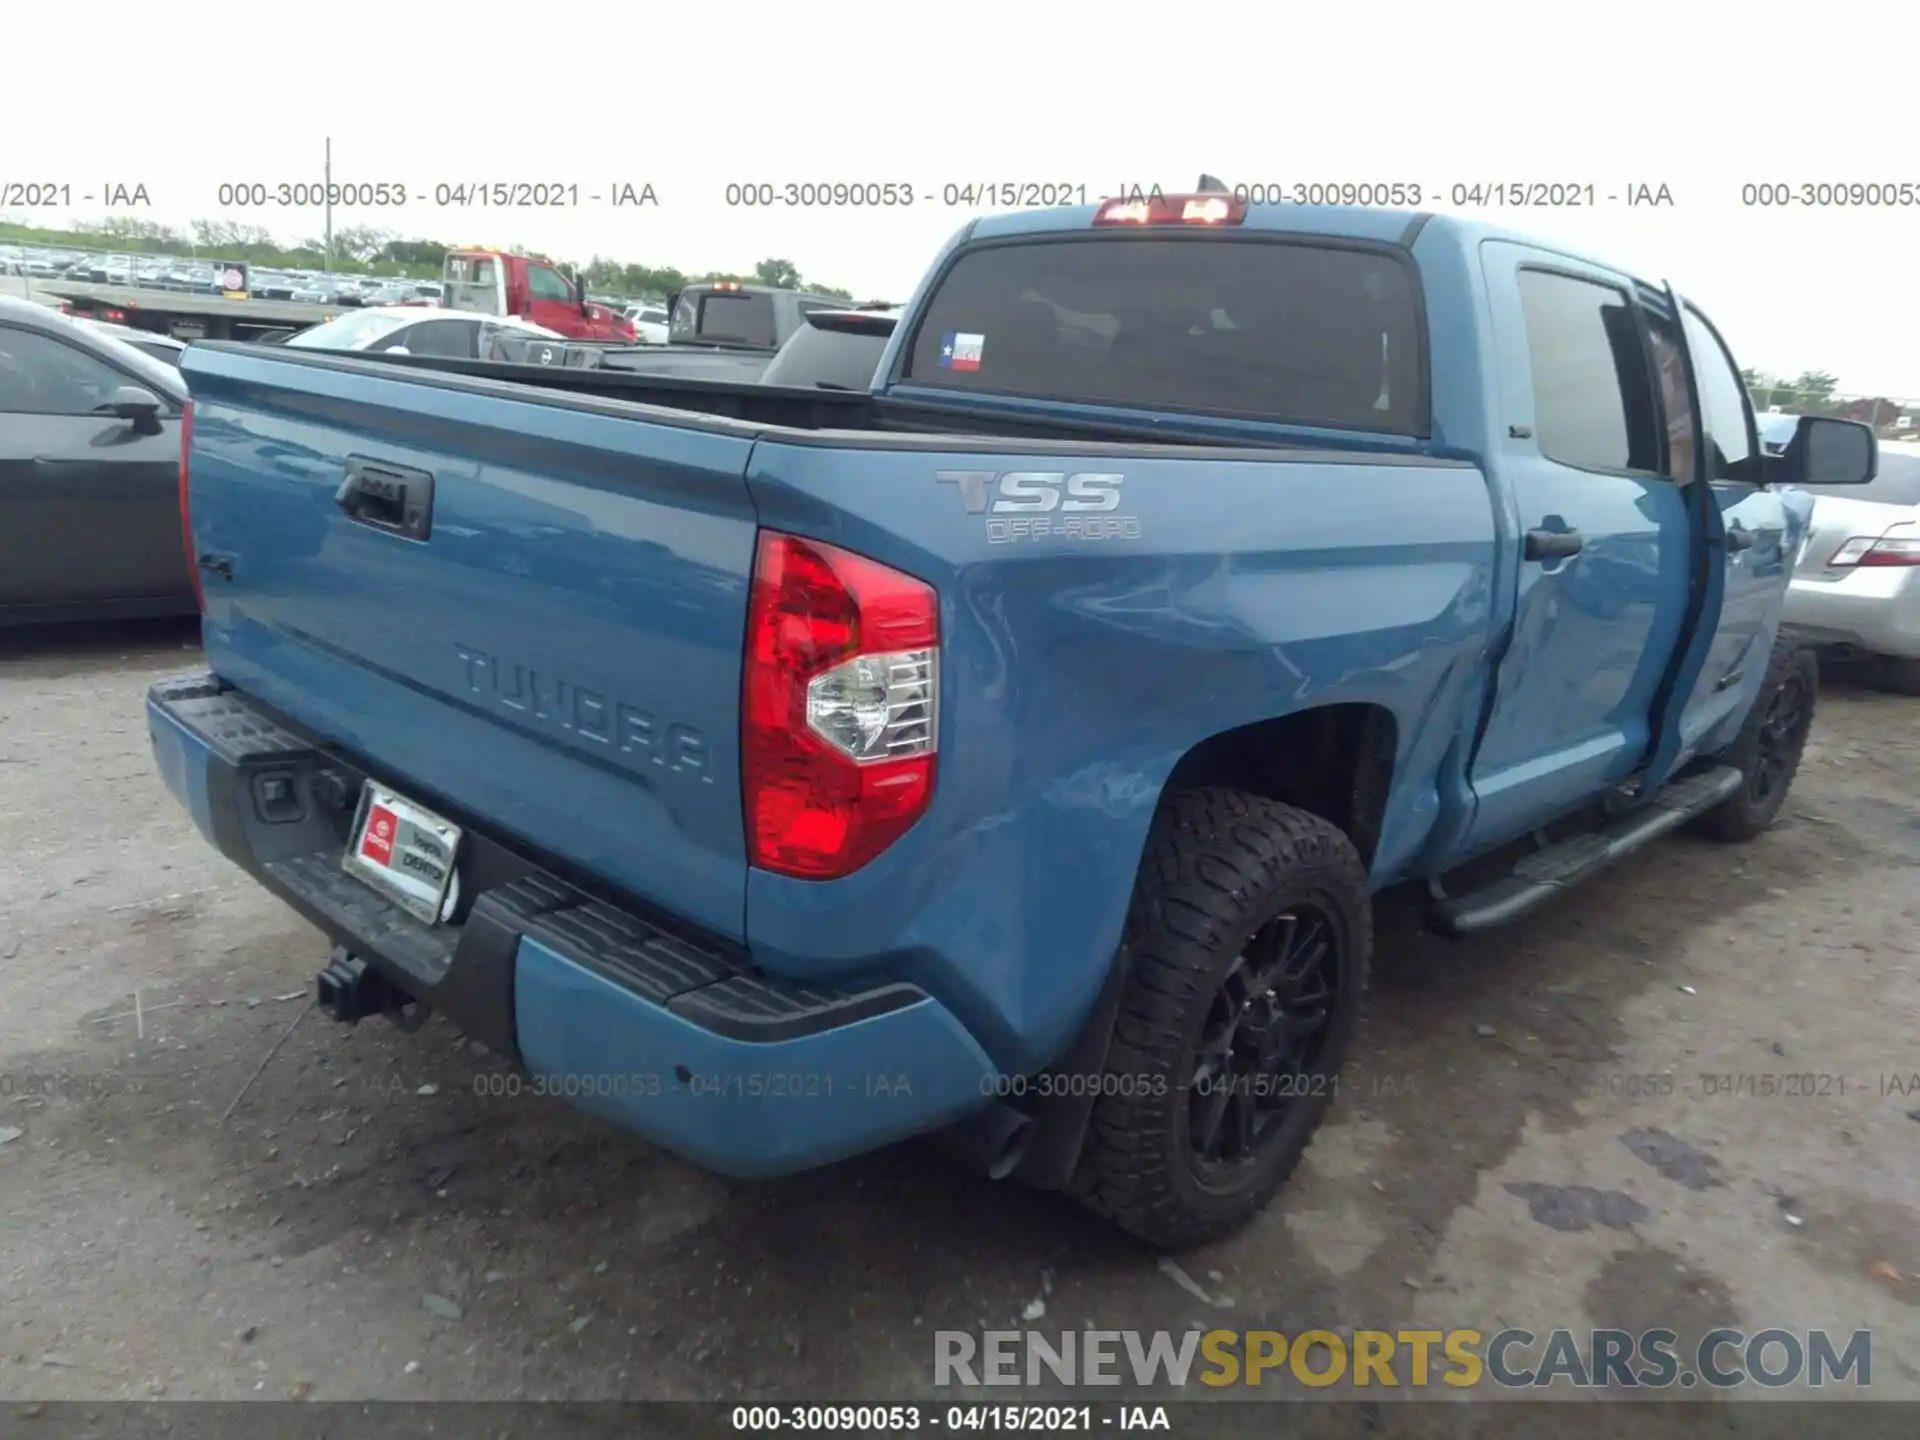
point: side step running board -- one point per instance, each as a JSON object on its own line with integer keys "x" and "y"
{"x": 1544, "y": 874}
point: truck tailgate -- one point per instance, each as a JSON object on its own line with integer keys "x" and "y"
{"x": 530, "y": 613}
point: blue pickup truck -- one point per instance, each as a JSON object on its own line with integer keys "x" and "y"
{"x": 1010, "y": 753}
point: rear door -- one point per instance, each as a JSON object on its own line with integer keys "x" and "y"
{"x": 89, "y": 506}
{"x": 1607, "y": 543}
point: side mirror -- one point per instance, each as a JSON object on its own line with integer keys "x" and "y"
{"x": 142, "y": 407}
{"x": 398, "y": 350}
{"x": 580, "y": 289}
{"x": 1825, "y": 451}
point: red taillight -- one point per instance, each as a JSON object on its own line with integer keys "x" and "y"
{"x": 1867, "y": 552}
{"x": 1893, "y": 550}
{"x": 186, "y": 515}
{"x": 840, "y": 710}
{"x": 1159, "y": 209}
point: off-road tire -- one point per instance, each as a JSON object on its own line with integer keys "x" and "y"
{"x": 1748, "y": 811}
{"x": 1219, "y": 866}
{"x": 1900, "y": 676}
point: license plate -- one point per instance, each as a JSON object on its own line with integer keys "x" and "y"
{"x": 406, "y": 852}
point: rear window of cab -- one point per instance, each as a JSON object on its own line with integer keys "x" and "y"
{"x": 1257, "y": 328}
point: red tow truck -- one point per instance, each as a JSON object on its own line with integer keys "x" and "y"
{"x": 494, "y": 282}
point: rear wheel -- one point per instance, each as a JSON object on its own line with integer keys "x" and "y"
{"x": 1769, "y": 746}
{"x": 1249, "y": 936}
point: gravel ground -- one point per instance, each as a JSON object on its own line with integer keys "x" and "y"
{"x": 1525, "y": 1136}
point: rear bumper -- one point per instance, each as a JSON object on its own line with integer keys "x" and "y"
{"x": 1875, "y": 609}
{"x": 628, "y": 1014}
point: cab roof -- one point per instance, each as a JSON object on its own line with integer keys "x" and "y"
{"x": 1341, "y": 222}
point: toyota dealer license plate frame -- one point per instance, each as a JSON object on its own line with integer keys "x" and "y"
{"x": 406, "y": 852}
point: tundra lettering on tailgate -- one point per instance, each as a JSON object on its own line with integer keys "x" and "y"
{"x": 1035, "y": 504}
{"x": 541, "y": 696}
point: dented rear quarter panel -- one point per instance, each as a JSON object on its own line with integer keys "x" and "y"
{"x": 1079, "y": 668}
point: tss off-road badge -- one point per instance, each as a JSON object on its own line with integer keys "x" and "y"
{"x": 1038, "y": 504}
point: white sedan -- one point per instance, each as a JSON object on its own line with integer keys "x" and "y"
{"x": 1856, "y": 589}
{"x": 419, "y": 330}
{"x": 649, "y": 323}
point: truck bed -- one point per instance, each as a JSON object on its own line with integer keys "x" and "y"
{"x": 612, "y": 392}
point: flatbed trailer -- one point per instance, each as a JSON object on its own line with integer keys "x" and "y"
{"x": 171, "y": 312}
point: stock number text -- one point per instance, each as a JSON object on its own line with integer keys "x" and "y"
{"x": 1833, "y": 194}
{"x": 303, "y": 194}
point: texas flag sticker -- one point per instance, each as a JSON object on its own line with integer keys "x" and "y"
{"x": 961, "y": 352}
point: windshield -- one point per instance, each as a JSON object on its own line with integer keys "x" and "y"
{"x": 351, "y": 332}
{"x": 1290, "y": 331}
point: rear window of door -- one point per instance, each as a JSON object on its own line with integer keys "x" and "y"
{"x": 1297, "y": 333}
{"x": 1592, "y": 395}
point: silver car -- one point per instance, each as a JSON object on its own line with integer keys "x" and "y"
{"x": 1856, "y": 589}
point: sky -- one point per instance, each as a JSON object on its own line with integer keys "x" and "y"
{"x": 1470, "y": 94}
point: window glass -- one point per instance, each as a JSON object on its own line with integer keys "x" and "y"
{"x": 449, "y": 339}
{"x": 1298, "y": 333}
{"x": 546, "y": 284}
{"x": 1676, "y": 400}
{"x": 828, "y": 359}
{"x": 1592, "y": 400}
{"x": 357, "y": 331}
{"x": 1723, "y": 407}
{"x": 43, "y": 376}
{"x": 742, "y": 317}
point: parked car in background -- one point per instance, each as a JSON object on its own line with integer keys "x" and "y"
{"x": 1856, "y": 586}
{"x": 749, "y": 317}
{"x": 649, "y": 323}
{"x": 410, "y": 330}
{"x": 326, "y": 290}
{"x": 389, "y": 292}
{"x": 89, "y": 473}
{"x": 148, "y": 342}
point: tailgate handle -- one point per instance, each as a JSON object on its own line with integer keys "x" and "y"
{"x": 393, "y": 498}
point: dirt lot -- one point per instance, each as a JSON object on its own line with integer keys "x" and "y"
{"x": 1526, "y": 1138}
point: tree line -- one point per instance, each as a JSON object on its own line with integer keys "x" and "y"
{"x": 1817, "y": 392}
{"x": 367, "y": 250}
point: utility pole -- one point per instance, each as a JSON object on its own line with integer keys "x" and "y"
{"x": 326, "y": 263}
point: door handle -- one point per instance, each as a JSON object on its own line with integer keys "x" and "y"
{"x": 1739, "y": 538}
{"x": 1553, "y": 544}
{"x": 392, "y": 498}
